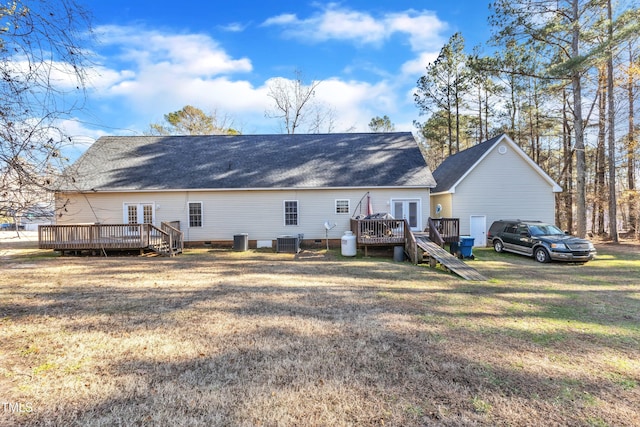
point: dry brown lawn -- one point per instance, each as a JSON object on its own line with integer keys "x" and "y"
{"x": 214, "y": 337}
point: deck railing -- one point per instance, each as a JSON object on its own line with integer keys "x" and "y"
{"x": 379, "y": 231}
{"x": 444, "y": 230}
{"x": 383, "y": 232}
{"x": 76, "y": 237}
{"x": 174, "y": 235}
{"x": 410, "y": 245}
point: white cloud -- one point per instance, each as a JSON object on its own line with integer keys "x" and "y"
{"x": 417, "y": 66}
{"x": 334, "y": 22}
{"x": 234, "y": 27}
{"x": 423, "y": 30}
{"x": 357, "y": 102}
{"x": 190, "y": 54}
{"x": 150, "y": 73}
{"x": 99, "y": 77}
{"x": 284, "y": 19}
{"x": 81, "y": 136}
{"x": 154, "y": 73}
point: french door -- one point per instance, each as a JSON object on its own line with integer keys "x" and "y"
{"x": 139, "y": 213}
{"x": 408, "y": 209}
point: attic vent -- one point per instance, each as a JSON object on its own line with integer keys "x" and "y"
{"x": 502, "y": 149}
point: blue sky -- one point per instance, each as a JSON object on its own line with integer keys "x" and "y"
{"x": 154, "y": 57}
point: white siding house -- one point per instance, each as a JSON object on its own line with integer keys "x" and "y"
{"x": 263, "y": 185}
{"x": 490, "y": 181}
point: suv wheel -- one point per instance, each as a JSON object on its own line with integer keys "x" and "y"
{"x": 542, "y": 255}
{"x": 498, "y": 246}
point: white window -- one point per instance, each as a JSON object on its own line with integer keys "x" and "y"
{"x": 342, "y": 206}
{"x": 195, "y": 214}
{"x": 290, "y": 212}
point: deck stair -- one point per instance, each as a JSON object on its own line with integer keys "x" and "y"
{"x": 162, "y": 249}
{"x": 438, "y": 254}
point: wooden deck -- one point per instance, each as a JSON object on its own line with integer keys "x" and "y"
{"x": 379, "y": 232}
{"x": 166, "y": 240}
{"x": 417, "y": 245}
{"x": 396, "y": 232}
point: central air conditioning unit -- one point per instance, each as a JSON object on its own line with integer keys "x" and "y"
{"x": 288, "y": 244}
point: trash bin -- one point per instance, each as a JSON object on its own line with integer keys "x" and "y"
{"x": 454, "y": 248}
{"x": 241, "y": 242}
{"x": 466, "y": 247}
{"x": 398, "y": 253}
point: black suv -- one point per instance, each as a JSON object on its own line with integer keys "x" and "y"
{"x": 543, "y": 241}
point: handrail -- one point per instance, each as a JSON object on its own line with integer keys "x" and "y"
{"x": 157, "y": 238}
{"x": 410, "y": 243}
{"x": 176, "y": 235}
{"x": 448, "y": 228}
{"x": 434, "y": 233}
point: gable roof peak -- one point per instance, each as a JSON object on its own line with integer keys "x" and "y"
{"x": 456, "y": 167}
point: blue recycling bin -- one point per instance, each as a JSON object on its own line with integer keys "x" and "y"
{"x": 466, "y": 247}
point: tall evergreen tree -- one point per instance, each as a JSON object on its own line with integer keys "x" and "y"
{"x": 443, "y": 87}
{"x": 558, "y": 26}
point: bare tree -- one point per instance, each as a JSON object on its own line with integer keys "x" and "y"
{"x": 43, "y": 64}
{"x": 322, "y": 119}
{"x": 293, "y": 100}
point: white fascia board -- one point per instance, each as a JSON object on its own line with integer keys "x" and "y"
{"x": 174, "y": 190}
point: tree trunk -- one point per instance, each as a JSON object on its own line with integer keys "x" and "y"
{"x": 578, "y": 128}
{"x": 613, "y": 212}
{"x": 486, "y": 114}
{"x": 480, "y": 106}
{"x": 457, "y": 100}
{"x": 631, "y": 147}
{"x": 567, "y": 171}
{"x": 599, "y": 181}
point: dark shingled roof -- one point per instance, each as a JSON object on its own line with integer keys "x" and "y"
{"x": 119, "y": 163}
{"x": 454, "y": 167}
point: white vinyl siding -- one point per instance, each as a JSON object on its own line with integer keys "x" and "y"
{"x": 503, "y": 186}
{"x": 258, "y": 213}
